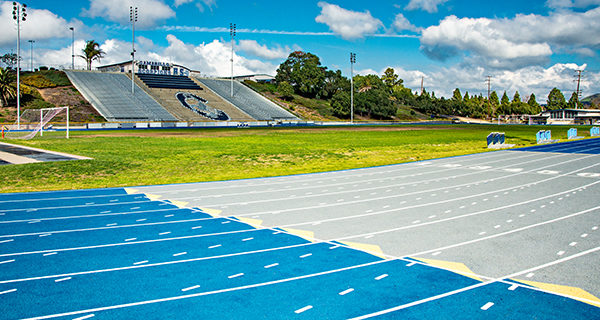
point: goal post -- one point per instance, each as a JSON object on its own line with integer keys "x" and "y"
{"x": 33, "y": 121}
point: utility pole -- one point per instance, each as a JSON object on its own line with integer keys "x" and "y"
{"x": 232, "y": 31}
{"x": 72, "y": 48}
{"x": 352, "y": 62}
{"x": 488, "y": 80}
{"x": 578, "y": 92}
{"x": 133, "y": 17}
{"x": 19, "y": 13}
{"x": 31, "y": 42}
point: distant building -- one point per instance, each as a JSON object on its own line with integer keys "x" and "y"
{"x": 151, "y": 67}
{"x": 567, "y": 116}
{"x": 260, "y": 78}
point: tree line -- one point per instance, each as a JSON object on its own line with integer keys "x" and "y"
{"x": 380, "y": 96}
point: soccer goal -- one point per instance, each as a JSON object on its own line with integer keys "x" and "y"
{"x": 33, "y": 121}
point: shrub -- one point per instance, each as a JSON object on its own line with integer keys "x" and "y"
{"x": 38, "y": 81}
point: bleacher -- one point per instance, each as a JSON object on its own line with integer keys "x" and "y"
{"x": 110, "y": 94}
{"x": 168, "y": 81}
{"x": 252, "y": 103}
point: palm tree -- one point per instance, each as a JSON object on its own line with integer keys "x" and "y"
{"x": 91, "y": 52}
{"x": 7, "y": 87}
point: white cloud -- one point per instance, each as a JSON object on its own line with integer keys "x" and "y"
{"x": 430, "y": 6}
{"x": 177, "y": 3}
{"x": 511, "y": 43}
{"x": 200, "y": 4}
{"x": 533, "y": 79}
{"x": 401, "y": 24}
{"x": 39, "y": 25}
{"x": 346, "y": 23}
{"x": 561, "y": 4}
{"x": 150, "y": 12}
{"x": 262, "y": 51}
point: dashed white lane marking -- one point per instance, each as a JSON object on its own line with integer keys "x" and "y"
{"x": 334, "y": 247}
{"x": 487, "y": 306}
{"x": 34, "y": 221}
{"x": 572, "y": 244}
{"x": 248, "y": 239}
{"x": 385, "y": 275}
{"x": 179, "y": 254}
{"x": 595, "y": 228}
{"x": 130, "y": 239}
{"x": 7, "y": 261}
{"x": 411, "y": 264}
{"x": 303, "y": 309}
{"x": 529, "y": 275}
{"x": 190, "y": 288}
{"x": 513, "y": 287}
{"x": 584, "y": 235}
{"x": 141, "y": 220}
{"x": 560, "y": 253}
{"x": 140, "y": 262}
{"x": 164, "y": 233}
{"x": 8, "y": 291}
{"x": 111, "y": 224}
{"x": 513, "y": 169}
{"x": 482, "y": 233}
{"x": 196, "y": 227}
{"x": 135, "y": 208}
{"x": 169, "y": 215}
{"x": 62, "y": 279}
{"x": 215, "y": 246}
{"x": 436, "y": 253}
{"x": 271, "y": 265}
{"x": 5, "y": 241}
{"x": 497, "y": 226}
{"x": 225, "y": 222}
{"x": 85, "y": 317}
{"x": 235, "y": 275}
{"x": 49, "y": 254}
{"x": 107, "y": 211}
{"x": 305, "y": 255}
{"x": 548, "y": 172}
{"x": 345, "y": 292}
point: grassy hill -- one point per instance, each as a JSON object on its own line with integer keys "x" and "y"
{"x": 318, "y": 109}
{"x": 592, "y": 101}
{"x": 49, "y": 89}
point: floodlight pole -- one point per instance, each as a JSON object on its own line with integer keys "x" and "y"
{"x": 31, "y": 42}
{"x": 352, "y": 62}
{"x": 232, "y": 31}
{"x": 19, "y": 13}
{"x": 72, "y": 48}
{"x": 133, "y": 16}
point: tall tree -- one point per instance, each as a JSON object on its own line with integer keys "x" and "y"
{"x": 556, "y": 100}
{"x": 534, "y": 106}
{"x": 456, "y": 95}
{"x": 304, "y": 72}
{"x": 8, "y": 89}
{"x": 91, "y": 52}
{"x": 391, "y": 79}
{"x": 573, "y": 101}
{"x": 504, "y": 104}
{"x": 10, "y": 60}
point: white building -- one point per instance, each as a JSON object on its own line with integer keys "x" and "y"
{"x": 151, "y": 67}
{"x": 567, "y": 116}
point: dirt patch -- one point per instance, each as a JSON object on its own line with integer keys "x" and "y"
{"x": 80, "y": 110}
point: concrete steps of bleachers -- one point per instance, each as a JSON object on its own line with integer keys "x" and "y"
{"x": 166, "y": 97}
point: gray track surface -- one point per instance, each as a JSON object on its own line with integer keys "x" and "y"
{"x": 499, "y": 213}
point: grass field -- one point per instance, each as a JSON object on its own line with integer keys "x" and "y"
{"x": 132, "y": 158}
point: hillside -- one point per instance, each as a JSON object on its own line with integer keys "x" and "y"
{"x": 318, "y": 109}
{"x": 48, "y": 89}
{"x": 592, "y": 101}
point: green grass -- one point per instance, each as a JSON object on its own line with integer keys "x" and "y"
{"x": 177, "y": 156}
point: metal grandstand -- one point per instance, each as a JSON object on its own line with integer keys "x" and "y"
{"x": 110, "y": 94}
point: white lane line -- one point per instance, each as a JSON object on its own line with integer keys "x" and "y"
{"x": 8, "y": 291}
{"x": 135, "y": 208}
{"x": 179, "y": 254}
{"x": 111, "y": 224}
{"x": 140, "y": 262}
{"x": 215, "y": 246}
{"x": 271, "y": 265}
{"x": 235, "y": 275}
{"x": 169, "y": 215}
{"x": 225, "y": 222}
{"x": 5, "y": 241}
{"x": 334, "y": 247}
{"x": 164, "y": 233}
{"x": 369, "y": 236}
{"x": 436, "y": 253}
{"x": 130, "y": 239}
{"x": 248, "y": 239}
{"x": 305, "y": 255}
{"x": 482, "y": 233}
{"x": 303, "y": 309}
{"x": 34, "y": 221}
{"x": 196, "y": 227}
{"x": 141, "y": 220}
{"x": 529, "y": 275}
{"x": 345, "y": 292}
{"x": 385, "y": 275}
{"x": 513, "y": 287}
{"x": 487, "y": 306}
{"x": 45, "y": 235}
{"x": 49, "y": 254}
{"x": 190, "y": 288}
{"x": 85, "y": 317}
{"x": 411, "y": 264}
{"x": 62, "y": 279}
{"x": 7, "y": 261}
{"x": 85, "y": 216}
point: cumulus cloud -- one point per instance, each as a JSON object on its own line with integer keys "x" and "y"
{"x": 150, "y": 12}
{"x": 561, "y": 4}
{"x": 262, "y": 51}
{"x": 430, "y": 6}
{"x": 401, "y": 24}
{"x": 346, "y": 23}
{"x": 511, "y": 43}
{"x": 40, "y": 25}
{"x": 200, "y": 4}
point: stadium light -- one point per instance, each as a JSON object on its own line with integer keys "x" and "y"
{"x": 19, "y": 14}
{"x": 31, "y": 42}
{"x": 133, "y": 17}
{"x": 72, "y": 48}
{"x": 232, "y": 31}
{"x": 352, "y": 62}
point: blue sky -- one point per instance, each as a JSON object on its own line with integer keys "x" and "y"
{"x": 529, "y": 46}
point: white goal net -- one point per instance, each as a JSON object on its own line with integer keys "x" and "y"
{"x": 34, "y": 121}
